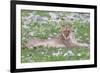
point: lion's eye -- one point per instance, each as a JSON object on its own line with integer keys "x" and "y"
{"x": 68, "y": 30}
{"x": 73, "y": 31}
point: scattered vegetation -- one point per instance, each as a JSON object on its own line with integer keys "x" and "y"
{"x": 45, "y": 25}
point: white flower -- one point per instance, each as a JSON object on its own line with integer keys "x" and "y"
{"x": 54, "y": 33}
{"x": 49, "y": 38}
{"x": 25, "y": 26}
{"x": 56, "y": 53}
{"x": 45, "y": 18}
{"x": 23, "y": 38}
{"x": 79, "y": 54}
{"x": 59, "y": 49}
{"x": 22, "y": 56}
{"x": 42, "y": 52}
{"x": 31, "y": 33}
{"x": 53, "y": 15}
{"x": 69, "y": 53}
{"x": 80, "y": 37}
{"x": 87, "y": 38}
{"x": 65, "y": 54}
{"x": 85, "y": 34}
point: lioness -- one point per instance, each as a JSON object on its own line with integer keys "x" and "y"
{"x": 65, "y": 39}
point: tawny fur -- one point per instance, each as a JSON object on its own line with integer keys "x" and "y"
{"x": 65, "y": 39}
